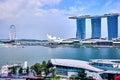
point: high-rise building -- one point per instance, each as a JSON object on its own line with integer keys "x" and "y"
{"x": 112, "y": 22}
{"x": 96, "y": 27}
{"x": 80, "y": 34}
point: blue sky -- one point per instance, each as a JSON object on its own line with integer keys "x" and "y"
{"x": 36, "y": 18}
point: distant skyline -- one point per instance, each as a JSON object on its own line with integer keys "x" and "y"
{"x": 34, "y": 19}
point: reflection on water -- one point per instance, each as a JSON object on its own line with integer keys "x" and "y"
{"x": 35, "y": 54}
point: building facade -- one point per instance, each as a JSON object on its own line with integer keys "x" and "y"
{"x": 96, "y": 27}
{"x": 80, "y": 34}
{"x": 112, "y": 22}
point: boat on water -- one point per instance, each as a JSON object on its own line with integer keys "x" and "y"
{"x": 99, "y": 69}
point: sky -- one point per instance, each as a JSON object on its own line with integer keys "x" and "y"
{"x": 34, "y": 19}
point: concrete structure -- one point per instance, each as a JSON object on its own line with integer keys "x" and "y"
{"x": 112, "y": 26}
{"x": 99, "y": 69}
{"x": 112, "y": 21}
{"x": 96, "y": 27}
{"x": 80, "y": 34}
{"x": 68, "y": 67}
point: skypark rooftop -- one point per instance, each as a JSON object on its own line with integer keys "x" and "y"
{"x": 97, "y": 16}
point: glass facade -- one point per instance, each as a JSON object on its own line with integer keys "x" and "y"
{"x": 96, "y": 28}
{"x": 63, "y": 70}
{"x": 106, "y": 66}
{"x": 80, "y": 34}
{"x": 112, "y": 22}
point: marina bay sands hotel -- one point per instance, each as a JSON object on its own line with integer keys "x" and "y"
{"x": 112, "y": 25}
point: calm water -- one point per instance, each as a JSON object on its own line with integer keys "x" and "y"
{"x": 35, "y": 54}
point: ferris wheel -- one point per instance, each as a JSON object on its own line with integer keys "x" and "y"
{"x": 12, "y": 32}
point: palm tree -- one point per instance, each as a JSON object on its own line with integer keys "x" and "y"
{"x": 13, "y": 70}
{"x": 27, "y": 70}
{"x": 37, "y": 68}
{"x": 20, "y": 70}
{"x": 53, "y": 73}
{"x": 82, "y": 74}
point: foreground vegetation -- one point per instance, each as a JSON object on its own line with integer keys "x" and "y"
{"x": 46, "y": 67}
{"x": 43, "y": 68}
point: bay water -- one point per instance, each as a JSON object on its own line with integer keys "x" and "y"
{"x": 36, "y": 54}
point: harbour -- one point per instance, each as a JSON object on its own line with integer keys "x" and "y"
{"x": 34, "y": 54}
{"x": 59, "y": 40}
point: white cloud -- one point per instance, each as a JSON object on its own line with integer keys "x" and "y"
{"x": 50, "y": 2}
{"x": 108, "y": 3}
{"x": 15, "y": 8}
{"x": 20, "y": 8}
{"x": 29, "y": 15}
{"x": 111, "y": 6}
{"x": 8, "y": 8}
{"x": 33, "y": 12}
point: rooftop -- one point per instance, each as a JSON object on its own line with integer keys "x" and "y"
{"x": 106, "y": 61}
{"x": 97, "y": 16}
{"x": 74, "y": 63}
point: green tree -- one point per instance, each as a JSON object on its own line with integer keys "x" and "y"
{"x": 53, "y": 73}
{"x": 37, "y": 67}
{"x": 44, "y": 63}
{"x": 27, "y": 70}
{"x": 57, "y": 77}
{"x": 72, "y": 77}
{"x": 90, "y": 78}
{"x": 13, "y": 70}
{"x": 49, "y": 64}
{"x": 44, "y": 66}
{"x": 20, "y": 70}
{"x": 82, "y": 74}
